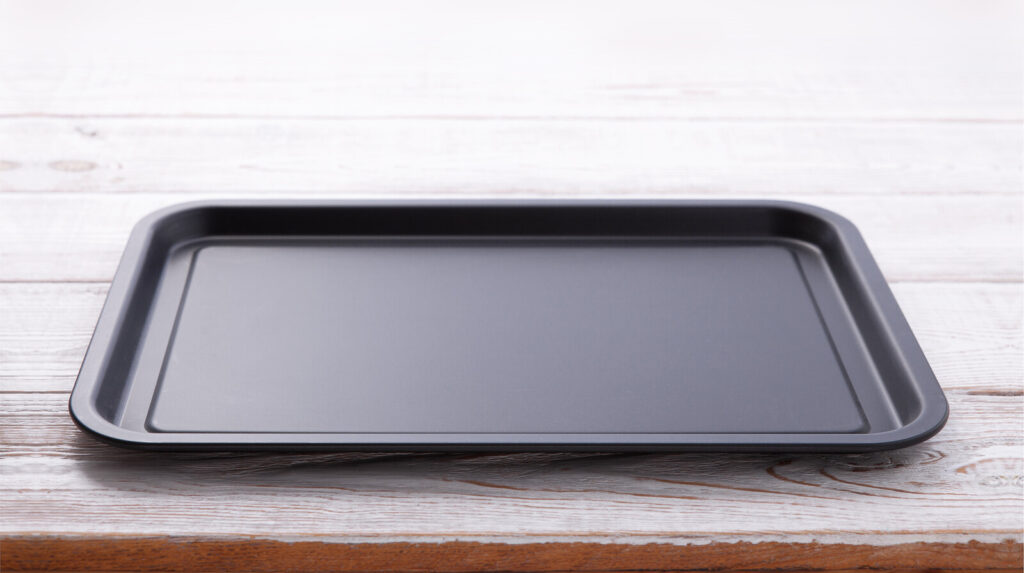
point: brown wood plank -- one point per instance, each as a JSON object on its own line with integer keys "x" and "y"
{"x": 197, "y": 554}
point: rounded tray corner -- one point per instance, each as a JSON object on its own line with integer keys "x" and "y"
{"x": 929, "y": 421}
{"x": 926, "y": 424}
{"x": 89, "y": 420}
{"x": 156, "y": 221}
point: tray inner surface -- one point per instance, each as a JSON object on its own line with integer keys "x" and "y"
{"x": 503, "y": 335}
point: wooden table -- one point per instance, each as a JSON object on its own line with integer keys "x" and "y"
{"x": 903, "y": 115}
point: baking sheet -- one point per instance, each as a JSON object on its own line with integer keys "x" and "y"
{"x": 607, "y": 326}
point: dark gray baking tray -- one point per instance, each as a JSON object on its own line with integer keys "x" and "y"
{"x": 611, "y": 326}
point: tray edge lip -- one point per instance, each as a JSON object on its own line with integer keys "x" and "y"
{"x": 929, "y": 421}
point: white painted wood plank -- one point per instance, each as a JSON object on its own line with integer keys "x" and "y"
{"x": 963, "y": 485}
{"x": 45, "y": 329}
{"x": 735, "y": 58}
{"x": 624, "y": 157}
{"x": 79, "y": 237}
{"x": 971, "y": 333}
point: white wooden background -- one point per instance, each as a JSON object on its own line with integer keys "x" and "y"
{"x": 903, "y": 115}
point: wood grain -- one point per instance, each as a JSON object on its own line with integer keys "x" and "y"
{"x": 965, "y": 482}
{"x": 509, "y": 156}
{"x": 190, "y": 554}
{"x": 740, "y": 59}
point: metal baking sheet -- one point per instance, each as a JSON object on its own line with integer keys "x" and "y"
{"x": 601, "y": 326}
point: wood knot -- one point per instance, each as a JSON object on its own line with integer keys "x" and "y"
{"x": 72, "y": 165}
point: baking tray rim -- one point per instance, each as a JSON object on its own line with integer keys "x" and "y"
{"x": 933, "y": 414}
